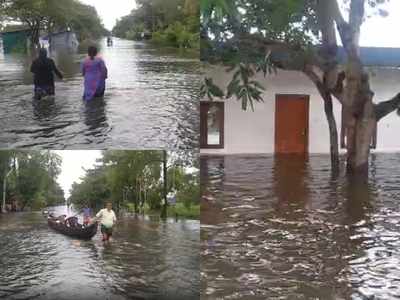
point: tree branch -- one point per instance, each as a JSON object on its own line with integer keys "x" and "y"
{"x": 384, "y": 108}
{"x": 337, "y": 91}
{"x": 337, "y": 15}
{"x": 329, "y": 47}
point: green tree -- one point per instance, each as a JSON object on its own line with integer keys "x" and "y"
{"x": 32, "y": 180}
{"x": 133, "y": 179}
{"x": 173, "y": 23}
{"x": 52, "y": 15}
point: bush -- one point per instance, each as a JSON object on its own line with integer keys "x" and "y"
{"x": 177, "y": 35}
{"x": 39, "y": 202}
{"x": 181, "y": 211}
{"x": 136, "y": 33}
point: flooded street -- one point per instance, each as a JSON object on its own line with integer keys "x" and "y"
{"x": 151, "y": 101}
{"x": 147, "y": 259}
{"x": 283, "y": 228}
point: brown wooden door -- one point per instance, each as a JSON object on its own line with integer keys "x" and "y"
{"x": 291, "y": 123}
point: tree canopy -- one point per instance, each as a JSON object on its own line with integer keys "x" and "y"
{"x": 32, "y": 179}
{"x": 133, "y": 180}
{"x": 53, "y": 15}
{"x": 174, "y": 22}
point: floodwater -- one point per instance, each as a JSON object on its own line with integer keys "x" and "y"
{"x": 151, "y": 101}
{"x": 147, "y": 259}
{"x": 284, "y": 228}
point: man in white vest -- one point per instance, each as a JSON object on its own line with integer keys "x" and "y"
{"x": 107, "y": 221}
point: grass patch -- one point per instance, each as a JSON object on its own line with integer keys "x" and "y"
{"x": 178, "y": 210}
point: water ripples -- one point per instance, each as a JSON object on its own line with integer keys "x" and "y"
{"x": 148, "y": 259}
{"x": 284, "y": 228}
{"x": 151, "y": 92}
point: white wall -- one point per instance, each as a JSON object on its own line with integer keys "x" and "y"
{"x": 253, "y": 132}
{"x": 65, "y": 40}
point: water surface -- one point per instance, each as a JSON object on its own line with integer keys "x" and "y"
{"x": 151, "y": 101}
{"x": 147, "y": 259}
{"x": 284, "y": 228}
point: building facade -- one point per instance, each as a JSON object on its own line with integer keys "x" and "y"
{"x": 292, "y": 118}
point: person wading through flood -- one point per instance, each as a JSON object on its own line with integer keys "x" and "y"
{"x": 43, "y": 68}
{"x": 87, "y": 213}
{"x": 95, "y": 73}
{"x": 107, "y": 220}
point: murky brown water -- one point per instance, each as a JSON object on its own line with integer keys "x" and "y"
{"x": 151, "y": 101}
{"x": 148, "y": 259}
{"x": 285, "y": 229}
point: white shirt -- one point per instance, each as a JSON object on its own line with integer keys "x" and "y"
{"x": 108, "y": 218}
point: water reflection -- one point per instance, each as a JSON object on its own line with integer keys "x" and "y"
{"x": 153, "y": 90}
{"x": 284, "y": 228}
{"x": 148, "y": 259}
{"x": 95, "y": 115}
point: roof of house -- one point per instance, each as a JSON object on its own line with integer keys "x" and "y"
{"x": 46, "y": 37}
{"x": 370, "y": 56}
{"x": 376, "y": 56}
{"x": 62, "y": 32}
{"x": 14, "y": 30}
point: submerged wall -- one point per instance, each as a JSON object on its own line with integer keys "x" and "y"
{"x": 253, "y": 132}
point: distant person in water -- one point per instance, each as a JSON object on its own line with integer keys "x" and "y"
{"x": 109, "y": 41}
{"x": 87, "y": 213}
{"x": 95, "y": 72}
{"x": 107, "y": 221}
{"x": 43, "y": 69}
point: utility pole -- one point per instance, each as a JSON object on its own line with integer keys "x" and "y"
{"x": 3, "y": 206}
{"x": 165, "y": 207}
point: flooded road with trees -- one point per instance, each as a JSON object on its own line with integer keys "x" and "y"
{"x": 284, "y": 228}
{"x": 151, "y": 101}
{"x": 147, "y": 259}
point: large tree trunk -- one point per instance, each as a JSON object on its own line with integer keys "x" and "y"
{"x": 359, "y": 136}
{"x": 359, "y": 112}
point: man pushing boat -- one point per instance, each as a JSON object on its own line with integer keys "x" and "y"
{"x": 107, "y": 221}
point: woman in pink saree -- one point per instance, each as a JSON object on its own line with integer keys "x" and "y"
{"x": 95, "y": 72}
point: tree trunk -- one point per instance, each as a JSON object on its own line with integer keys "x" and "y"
{"x": 333, "y": 135}
{"x": 359, "y": 137}
{"x": 330, "y": 117}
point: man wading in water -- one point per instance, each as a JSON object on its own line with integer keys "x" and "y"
{"x": 107, "y": 220}
{"x": 43, "y": 68}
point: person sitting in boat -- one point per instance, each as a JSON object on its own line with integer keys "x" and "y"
{"x": 107, "y": 221}
{"x": 87, "y": 213}
{"x": 43, "y": 69}
{"x": 95, "y": 73}
{"x": 71, "y": 221}
{"x": 61, "y": 218}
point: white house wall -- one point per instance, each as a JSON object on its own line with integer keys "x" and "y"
{"x": 65, "y": 40}
{"x": 253, "y": 132}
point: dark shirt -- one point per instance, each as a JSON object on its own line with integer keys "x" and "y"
{"x": 43, "y": 69}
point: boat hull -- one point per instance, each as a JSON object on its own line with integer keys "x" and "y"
{"x": 79, "y": 232}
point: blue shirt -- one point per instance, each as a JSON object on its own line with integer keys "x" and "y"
{"x": 87, "y": 212}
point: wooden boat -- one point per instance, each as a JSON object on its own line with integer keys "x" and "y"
{"x": 79, "y": 231}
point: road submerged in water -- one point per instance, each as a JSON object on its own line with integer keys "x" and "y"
{"x": 284, "y": 228}
{"x": 151, "y": 101}
{"x": 147, "y": 259}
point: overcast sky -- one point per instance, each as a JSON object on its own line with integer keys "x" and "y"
{"x": 73, "y": 165}
{"x": 378, "y": 31}
{"x": 111, "y": 10}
